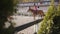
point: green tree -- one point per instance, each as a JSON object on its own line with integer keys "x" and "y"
{"x": 56, "y": 20}
{"x": 47, "y": 23}
{"x": 7, "y": 8}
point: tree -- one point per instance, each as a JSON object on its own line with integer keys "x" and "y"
{"x": 7, "y": 8}
{"x": 47, "y": 23}
{"x": 56, "y": 20}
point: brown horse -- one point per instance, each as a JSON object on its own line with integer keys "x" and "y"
{"x": 36, "y": 12}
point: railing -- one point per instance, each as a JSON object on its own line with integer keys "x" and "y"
{"x": 22, "y": 27}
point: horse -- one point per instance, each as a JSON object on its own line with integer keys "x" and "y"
{"x": 36, "y": 12}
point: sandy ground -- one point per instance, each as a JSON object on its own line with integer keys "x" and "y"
{"x": 20, "y": 20}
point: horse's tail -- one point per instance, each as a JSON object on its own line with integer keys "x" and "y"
{"x": 42, "y": 13}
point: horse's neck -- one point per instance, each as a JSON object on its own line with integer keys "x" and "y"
{"x": 31, "y": 10}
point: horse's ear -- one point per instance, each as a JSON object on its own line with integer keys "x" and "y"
{"x": 29, "y": 7}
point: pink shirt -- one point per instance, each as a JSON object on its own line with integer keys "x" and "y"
{"x": 35, "y": 7}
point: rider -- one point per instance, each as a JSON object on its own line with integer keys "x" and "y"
{"x": 35, "y": 7}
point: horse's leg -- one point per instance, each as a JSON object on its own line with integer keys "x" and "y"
{"x": 40, "y": 15}
{"x": 34, "y": 16}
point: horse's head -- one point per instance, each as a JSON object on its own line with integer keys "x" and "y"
{"x": 29, "y": 10}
